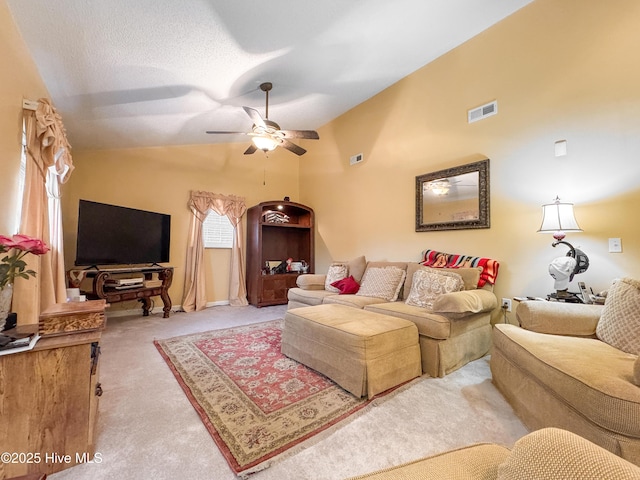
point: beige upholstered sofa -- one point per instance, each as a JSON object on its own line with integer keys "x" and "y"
{"x": 562, "y": 368}
{"x": 453, "y": 330}
{"x": 546, "y": 454}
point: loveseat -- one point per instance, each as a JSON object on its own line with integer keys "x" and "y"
{"x": 546, "y": 454}
{"x": 454, "y": 326}
{"x": 576, "y": 367}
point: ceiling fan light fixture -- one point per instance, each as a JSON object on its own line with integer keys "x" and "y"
{"x": 439, "y": 187}
{"x": 266, "y": 134}
{"x": 264, "y": 142}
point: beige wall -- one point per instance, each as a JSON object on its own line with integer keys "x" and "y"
{"x": 560, "y": 70}
{"x": 161, "y": 179}
{"x": 18, "y": 79}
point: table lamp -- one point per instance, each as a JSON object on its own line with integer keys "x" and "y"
{"x": 558, "y": 218}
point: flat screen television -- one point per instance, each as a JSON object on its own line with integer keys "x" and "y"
{"x": 114, "y": 235}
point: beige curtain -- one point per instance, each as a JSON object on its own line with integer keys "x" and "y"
{"x": 49, "y": 165}
{"x": 233, "y": 207}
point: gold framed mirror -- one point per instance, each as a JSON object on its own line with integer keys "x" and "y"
{"x": 453, "y": 199}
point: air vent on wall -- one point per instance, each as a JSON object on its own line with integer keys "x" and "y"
{"x": 482, "y": 112}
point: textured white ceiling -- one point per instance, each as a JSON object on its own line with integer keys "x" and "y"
{"x": 127, "y": 73}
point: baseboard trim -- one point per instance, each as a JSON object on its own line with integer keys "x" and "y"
{"x": 218, "y": 303}
{"x": 174, "y": 308}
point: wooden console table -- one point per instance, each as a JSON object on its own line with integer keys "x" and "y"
{"x": 49, "y": 395}
{"x": 101, "y": 286}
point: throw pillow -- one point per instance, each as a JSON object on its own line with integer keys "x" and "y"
{"x": 355, "y": 267}
{"x": 471, "y": 276}
{"x": 336, "y": 272}
{"x": 382, "y": 282}
{"x": 619, "y": 324}
{"x": 636, "y": 372}
{"x": 347, "y": 286}
{"x": 427, "y": 285}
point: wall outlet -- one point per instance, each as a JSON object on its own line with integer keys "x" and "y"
{"x": 356, "y": 159}
{"x": 506, "y": 304}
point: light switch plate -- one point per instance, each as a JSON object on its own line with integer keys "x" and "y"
{"x": 615, "y": 245}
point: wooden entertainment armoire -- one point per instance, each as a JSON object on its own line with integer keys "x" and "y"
{"x": 276, "y": 231}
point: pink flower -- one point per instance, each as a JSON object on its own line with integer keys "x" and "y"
{"x": 6, "y": 242}
{"x": 29, "y": 244}
{"x": 12, "y": 265}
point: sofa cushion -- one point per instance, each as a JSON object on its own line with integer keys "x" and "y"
{"x": 636, "y": 372}
{"x": 347, "y": 285}
{"x": 552, "y": 454}
{"x": 354, "y": 300}
{"x": 619, "y": 324}
{"x": 432, "y": 258}
{"x": 356, "y": 267}
{"x": 430, "y": 324}
{"x": 308, "y": 297}
{"x": 337, "y": 271}
{"x": 427, "y": 285}
{"x": 382, "y": 282}
{"x": 591, "y": 376}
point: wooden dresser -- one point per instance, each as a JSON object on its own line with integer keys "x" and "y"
{"x": 49, "y": 395}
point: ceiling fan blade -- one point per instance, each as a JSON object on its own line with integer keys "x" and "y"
{"x": 226, "y": 133}
{"x": 256, "y": 117}
{"x": 292, "y": 147}
{"x": 310, "y": 134}
{"x": 252, "y": 149}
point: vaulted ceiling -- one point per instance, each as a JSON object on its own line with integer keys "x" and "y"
{"x": 128, "y": 73}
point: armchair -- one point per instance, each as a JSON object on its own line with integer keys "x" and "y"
{"x": 556, "y": 370}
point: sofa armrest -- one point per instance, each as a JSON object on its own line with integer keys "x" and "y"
{"x": 558, "y": 318}
{"x": 311, "y": 281}
{"x": 465, "y": 303}
{"x": 551, "y": 453}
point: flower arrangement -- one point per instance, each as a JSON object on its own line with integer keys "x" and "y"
{"x": 12, "y": 266}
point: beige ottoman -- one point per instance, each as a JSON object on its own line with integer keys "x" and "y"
{"x": 364, "y": 352}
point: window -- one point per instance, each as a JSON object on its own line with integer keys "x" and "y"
{"x": 217, "y": 231}
{"x": 21, "y": 176}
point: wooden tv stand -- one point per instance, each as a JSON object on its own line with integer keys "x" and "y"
{"x": 98, "y": 283}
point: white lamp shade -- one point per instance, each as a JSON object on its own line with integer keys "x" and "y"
{"x": 264, "y": 143}
{"x": 558, "y": 217}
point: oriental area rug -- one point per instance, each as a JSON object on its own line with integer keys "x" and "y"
{"x": 256, "y": 403}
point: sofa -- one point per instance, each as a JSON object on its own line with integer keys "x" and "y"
{"x": 453, "y": 316}
{"x": 546, "y": 454}
{"x": 575, "y": 367}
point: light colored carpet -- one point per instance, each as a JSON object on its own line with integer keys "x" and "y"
{"x": 148, "y": 429}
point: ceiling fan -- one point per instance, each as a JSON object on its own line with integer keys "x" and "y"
{"x": 266, "y": 134}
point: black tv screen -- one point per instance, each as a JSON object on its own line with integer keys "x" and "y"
{"x": 113, "y": 235}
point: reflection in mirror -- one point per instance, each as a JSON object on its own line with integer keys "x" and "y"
{"x": 456, "y": 198}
